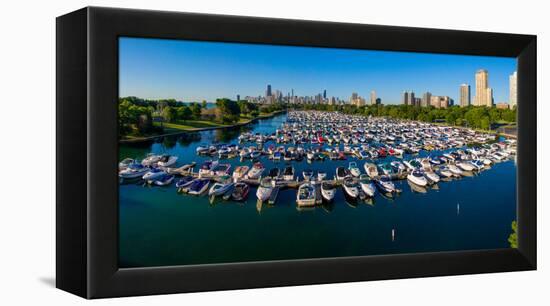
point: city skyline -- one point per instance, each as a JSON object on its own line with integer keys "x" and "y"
{"x": 196, "y": 71}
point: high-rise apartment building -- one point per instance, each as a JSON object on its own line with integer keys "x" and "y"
{"x": 426, "y": 99}
{"x": 484, "y": 94}
{"x": 465, "y": 95}
{"x": 513, "y": 90}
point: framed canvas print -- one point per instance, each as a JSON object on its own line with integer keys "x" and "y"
{"x": 205, "y": 152}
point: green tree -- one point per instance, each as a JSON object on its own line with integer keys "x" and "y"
{"x": 169, "y": 114}
{"x": 228, "y": 111}
{"x": 196, "y": 110}
{"x": 485, "y": 123}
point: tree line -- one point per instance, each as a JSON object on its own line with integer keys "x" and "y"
{"x": 136, "y": 116}
{"x": 472, "y": 116}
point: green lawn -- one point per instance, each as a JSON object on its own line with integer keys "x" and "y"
{"x": 189, "y": 125}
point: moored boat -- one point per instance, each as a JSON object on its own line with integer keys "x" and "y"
{"x": 164, "y": 180}
{"x": 134, "y": 170}
{"x": 198, "y": 186}
{"x": 354, "y": 169}
{"x": 264, "y": 190}
{"x": 342, "y": 173}
{"x": 305, "y": 195}
{"x": 256, "y": 171}
{"x": 219, "y": 189}
{"x": 418, "y": 178}
{"x": 167, "y": 160}
{"x": 328, "y": 191}
{"x": 350, "y": 187}
{"x": 240, "y": 192}
{"x": 385, "y": 184}
{"x": 367, "y": 185}
{"x": 153, "y": 174}
{"x": 288, "y": 173}
{"x": 371, "y": 169}
{"x": 240, "y": 172}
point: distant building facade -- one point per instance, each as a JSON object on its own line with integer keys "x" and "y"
{"x": 373, "y": 97}
{"x": 465, "y": 95}
{"x": 408, "y": 98}
{"x": 484, "y": 94}
{"x": 426, "y": 99}
{"x": 441, "y": 101}
{"x": 502, "y": 105}
{"x": 514, "y": 89}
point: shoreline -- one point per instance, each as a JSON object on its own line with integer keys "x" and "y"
{"x": 148, "y": 138}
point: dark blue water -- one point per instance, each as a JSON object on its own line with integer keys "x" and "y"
{"x": 160, "y": 227}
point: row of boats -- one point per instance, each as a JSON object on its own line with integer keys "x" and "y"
{"x": 315, "y": 135}
{"x": 321, "y": 135}
{"x": 314, "y": 188}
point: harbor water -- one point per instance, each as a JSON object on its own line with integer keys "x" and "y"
{"x": 159, "y": 227}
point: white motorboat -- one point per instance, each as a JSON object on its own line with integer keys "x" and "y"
{"x": 240, "y": 172}
{"x": 444, "y": 171}
{"x": 385, "y": 184}
{"x": 367, "y": 185}
{"x": 133, "y": 170}
{"x": 372, "y": 170}
{"x": 264, "y": 190}
{"x": 418, "y": 178}
{"x": 125, "y": 163}
{"x": 350, "y": 187}
{"x": 455, "y": 170}
{"x": 153, "y": 174}
{"x": 432, "y": 177}
{"x": 202, "y": 148}
{"x": 354, "y": 169}
{"x": 306, "y": 195}
{"x": 219, "y": 189}
{"x": 328, "y": 191}
{"x": 151, "y": 160}
{"x": 167, "y": 160}
{"x": 256, "y": 171}
{"x": 465, "y": 166}
{"x": 321, "y": 175}
{"x": 164, "y": 180}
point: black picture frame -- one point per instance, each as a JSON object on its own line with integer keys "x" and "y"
{"x": 87, "y": 190}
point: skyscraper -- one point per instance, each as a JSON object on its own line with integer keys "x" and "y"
{"x": 411, "y": 99}
{"x": 513, "y": 89}
{"x": 406, "y": 97}
{"x": 372, "y": 97}
{"x": 238, "y": 97}
{"x": 484, "y": 94}
{"x": 426, "y": 99}
{"x": 353, "y": 98}
{"x": 464, "y": 95}
{"x": 268, "y": 91}
{"x": 324, "y": 94}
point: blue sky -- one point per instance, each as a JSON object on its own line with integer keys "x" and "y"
{"x": 196, "y": 71}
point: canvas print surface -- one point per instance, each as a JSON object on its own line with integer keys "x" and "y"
{"x": 236, "y": 153}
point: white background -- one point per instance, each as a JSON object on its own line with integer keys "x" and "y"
{"x": 27, "y": 128}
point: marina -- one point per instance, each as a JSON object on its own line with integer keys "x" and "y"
{"x": 299, "y": 164}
